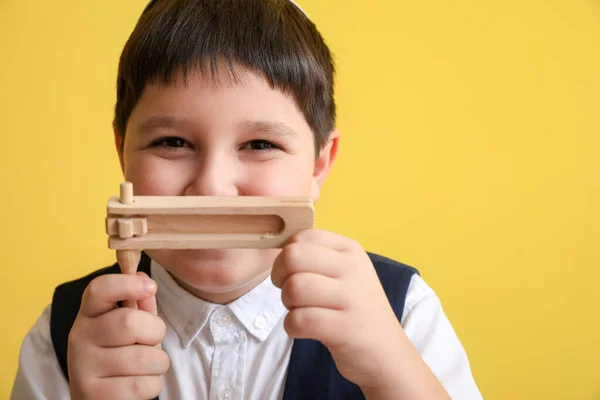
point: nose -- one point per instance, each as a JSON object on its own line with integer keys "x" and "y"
{"x": 215, "y": 176}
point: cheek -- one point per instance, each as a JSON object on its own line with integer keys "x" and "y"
{"x": 285, "y": 176}
{"x": 152, "y": 176}
{"x": 279, "y": 179}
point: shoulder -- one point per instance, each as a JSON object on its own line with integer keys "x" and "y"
{"x": 393, "y": 275}
{"x": 419, "y": 294}
{"x": 402, "y": 279}
{"x": 38, "y": 372}
{"x": 430, "y": 331}
{"x": 395, "y": 278}
{"x": 387, "y": 266}
{"x": 38, "y": 335}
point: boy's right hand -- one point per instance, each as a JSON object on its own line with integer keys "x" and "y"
{"x": 114, "y": 353}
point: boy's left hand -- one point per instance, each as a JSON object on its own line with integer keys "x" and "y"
{"x": 334, "y": 296}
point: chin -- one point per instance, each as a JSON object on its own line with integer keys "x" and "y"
{"x": 216, "y": 270}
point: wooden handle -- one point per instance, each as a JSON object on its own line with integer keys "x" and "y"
{"x": 128, "y": 259}
{"x": 128, "y": 262}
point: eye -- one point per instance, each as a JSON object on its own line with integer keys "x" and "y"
{"x": 260, "y": 145}
{"x": 170, "y": 142}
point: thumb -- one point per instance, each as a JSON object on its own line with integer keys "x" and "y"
{"x": 149, "y": 304}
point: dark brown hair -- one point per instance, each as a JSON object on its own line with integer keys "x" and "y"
{"x": 272, "y": 38}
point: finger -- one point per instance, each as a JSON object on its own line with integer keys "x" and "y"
{"x": 126, "y": 326}
{"x": 103, "y": 293}
{"x": 312, "y": 290}
{"x": 148, "y": 304}
{"x": 306, "y": 257}
{"x": 327, "y": 239}
{"x": 321, "y": 324}
{"x": 136, "y": 360}
{"x": 128, "y": 388}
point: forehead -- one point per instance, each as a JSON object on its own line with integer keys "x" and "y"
{"x": 225, "y": 95}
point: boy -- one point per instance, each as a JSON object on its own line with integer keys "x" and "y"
{"x": 227, "y": 98}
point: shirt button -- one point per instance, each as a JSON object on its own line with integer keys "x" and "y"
{"x": 260, "y": 322}
{"x": 223, "y": 320}
{"x": 225, "y": 394}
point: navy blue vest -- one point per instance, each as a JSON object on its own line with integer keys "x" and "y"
{"x": 312, "y": 373}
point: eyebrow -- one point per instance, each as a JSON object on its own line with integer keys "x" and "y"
{"x": 153, "y": 123}
{"x": 274, "y": 128}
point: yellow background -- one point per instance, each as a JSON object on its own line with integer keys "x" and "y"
{"x": 470, "y": 151}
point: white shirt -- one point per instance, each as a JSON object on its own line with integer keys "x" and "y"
{"x": 241, "y": 350}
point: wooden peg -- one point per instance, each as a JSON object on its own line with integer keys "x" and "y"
{"x": 128, "y": 259}
{"x": 126, "y": 193}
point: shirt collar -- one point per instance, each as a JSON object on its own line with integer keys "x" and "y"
{"x": 258, "y": 311}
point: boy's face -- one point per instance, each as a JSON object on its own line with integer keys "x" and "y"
{"x": 232, "y": 139}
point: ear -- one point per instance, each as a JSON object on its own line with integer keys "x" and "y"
{"x": 324, "y": 162}
{"x": 119, "y": 147}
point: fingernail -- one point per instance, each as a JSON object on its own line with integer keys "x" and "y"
{"x": 149, "y": 285}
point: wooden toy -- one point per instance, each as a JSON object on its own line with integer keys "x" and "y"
{"x": 136, "y": 223}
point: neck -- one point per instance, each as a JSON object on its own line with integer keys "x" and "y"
{"x": 225, "y": 297}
